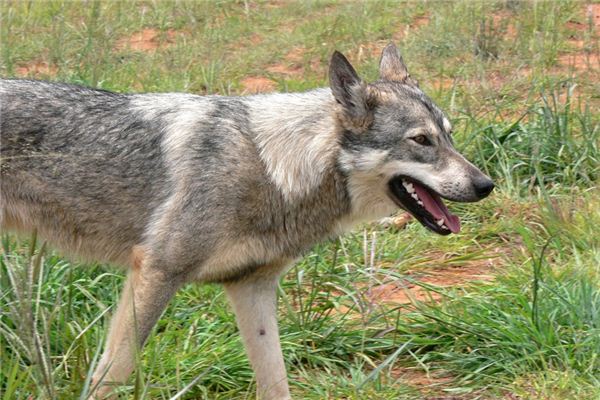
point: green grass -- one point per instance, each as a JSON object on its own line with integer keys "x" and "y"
{"x": 531, "y": 122}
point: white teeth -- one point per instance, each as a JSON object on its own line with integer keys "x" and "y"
{"x": 411, "y": 190}
{"x": 440, "y": 222}
{"x": 445, "y": 227}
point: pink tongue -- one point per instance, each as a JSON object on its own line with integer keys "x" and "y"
{"x": 436, "y": 207}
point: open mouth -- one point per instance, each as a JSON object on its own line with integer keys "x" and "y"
{"x": 424, "y": 204}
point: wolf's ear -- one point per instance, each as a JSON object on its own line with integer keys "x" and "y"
{"x": 391, "y": 66}
{"x": 349, "y": 91}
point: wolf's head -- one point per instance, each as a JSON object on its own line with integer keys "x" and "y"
{"x": 397, "y": 141}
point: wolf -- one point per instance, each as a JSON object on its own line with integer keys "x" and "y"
{"x": 183, "y": 188}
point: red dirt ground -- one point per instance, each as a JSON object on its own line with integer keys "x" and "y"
{"x": 257, "y": 84}
{"x": 583, "y": 59}
{"x": 36, "y": 69}
{"x": 147, "y": 40}
{"x": 294, "y": 64}
{"x": 405, "y": 292}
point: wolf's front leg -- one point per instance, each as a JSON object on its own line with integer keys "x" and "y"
{"x": 254, "y": 300}
{"x": 145, "y": 295}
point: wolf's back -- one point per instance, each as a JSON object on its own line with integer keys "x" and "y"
{"x": 39, "y": 116}
{"x": 70, "y": 154}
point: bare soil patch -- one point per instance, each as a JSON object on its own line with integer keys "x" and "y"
{"x": 584, "y": 58}
{"x": 497, "y": 79}
{"x": 416, "y": 24}
{"x": 286, "y": 69}
{"x": 36, "y": 69}
{"x": 431, "y": 385}
{"x": 406, "y": 291}
{"x": 373, "y": 49}
{"x": 369, "y": 50}
{"x": 256, "y": 39}
{"x": 443, "y": 83}
{"x": 580, "y": 61}
{"x": 294, "y": 64}
{"x": 274, "y": 4}
{"x": 420, "y": 21}
{"x": 420, "y": 285}
{"x": 147, "y": 40}
{"x": 296, "y": 55}
{"x": 417, "y": 377}
{"x": 593, "y": 14}
{"x": 425, "y": 382}
{"x": 257, "y": 84}
{"x": 502, "y": 21}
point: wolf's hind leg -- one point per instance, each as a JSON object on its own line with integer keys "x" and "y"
{"x": 143, "y": 299}
{"x": 254, "y": 300}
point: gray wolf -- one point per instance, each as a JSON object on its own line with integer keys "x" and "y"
{"x": 184, "y": 188}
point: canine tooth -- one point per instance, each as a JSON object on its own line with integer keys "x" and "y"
{"x": 440, "y": 222}
{"x": 408, "y": 186}
{"x": 419, "y": 202}
{"x": 414, "y": 196}
{"x": 444, "y": 226}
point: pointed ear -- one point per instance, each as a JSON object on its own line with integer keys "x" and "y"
{"x": 350, "y": 92}
{"x": 391, "y": 66}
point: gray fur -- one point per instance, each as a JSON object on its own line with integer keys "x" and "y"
{"x": 93, "y": 164}
{"x": 215, "y": 189}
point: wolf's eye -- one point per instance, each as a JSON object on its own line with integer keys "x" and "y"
{"x": 421, "y": 139}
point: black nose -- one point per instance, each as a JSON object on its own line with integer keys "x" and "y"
{"x": 483, "y": 187}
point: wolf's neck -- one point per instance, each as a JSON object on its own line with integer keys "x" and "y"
{"x": 297, "y": 138}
